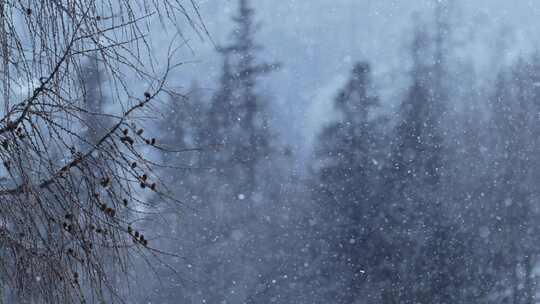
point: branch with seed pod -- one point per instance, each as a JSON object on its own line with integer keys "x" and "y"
{"x": 66, "y": 201}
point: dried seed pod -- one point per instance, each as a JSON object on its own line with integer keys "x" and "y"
{"x": 127, "y": 139}
{"x": 147, "y": 95}
{"x": 105, "y": 181}
{"x": 142, "y": 240}
{"x": 140, "y": 131}
{"x": 134, "y": 165}
{"x": 67, "y": 227}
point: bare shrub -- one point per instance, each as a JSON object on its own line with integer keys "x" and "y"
{"x": 64, "y": 210}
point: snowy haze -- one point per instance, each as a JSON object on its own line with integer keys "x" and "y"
{"x": 318, "y": 40}
{"x": 400, "y": 163}
{"x": 300, "y": 151}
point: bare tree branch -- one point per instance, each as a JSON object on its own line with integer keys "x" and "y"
{"x": 67, "y": 209}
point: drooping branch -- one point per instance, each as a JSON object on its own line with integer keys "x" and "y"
{"x": 68, "y": 203}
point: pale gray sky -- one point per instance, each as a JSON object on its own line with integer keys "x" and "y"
{"x": 317, "y": 41}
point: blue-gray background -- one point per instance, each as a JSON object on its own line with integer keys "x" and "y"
{"x": 317, "y": 40}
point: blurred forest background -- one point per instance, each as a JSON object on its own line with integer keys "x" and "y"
{"x": 411, "y": 179}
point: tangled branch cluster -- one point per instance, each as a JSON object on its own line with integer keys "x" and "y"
{"x": 65, "y": 210}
